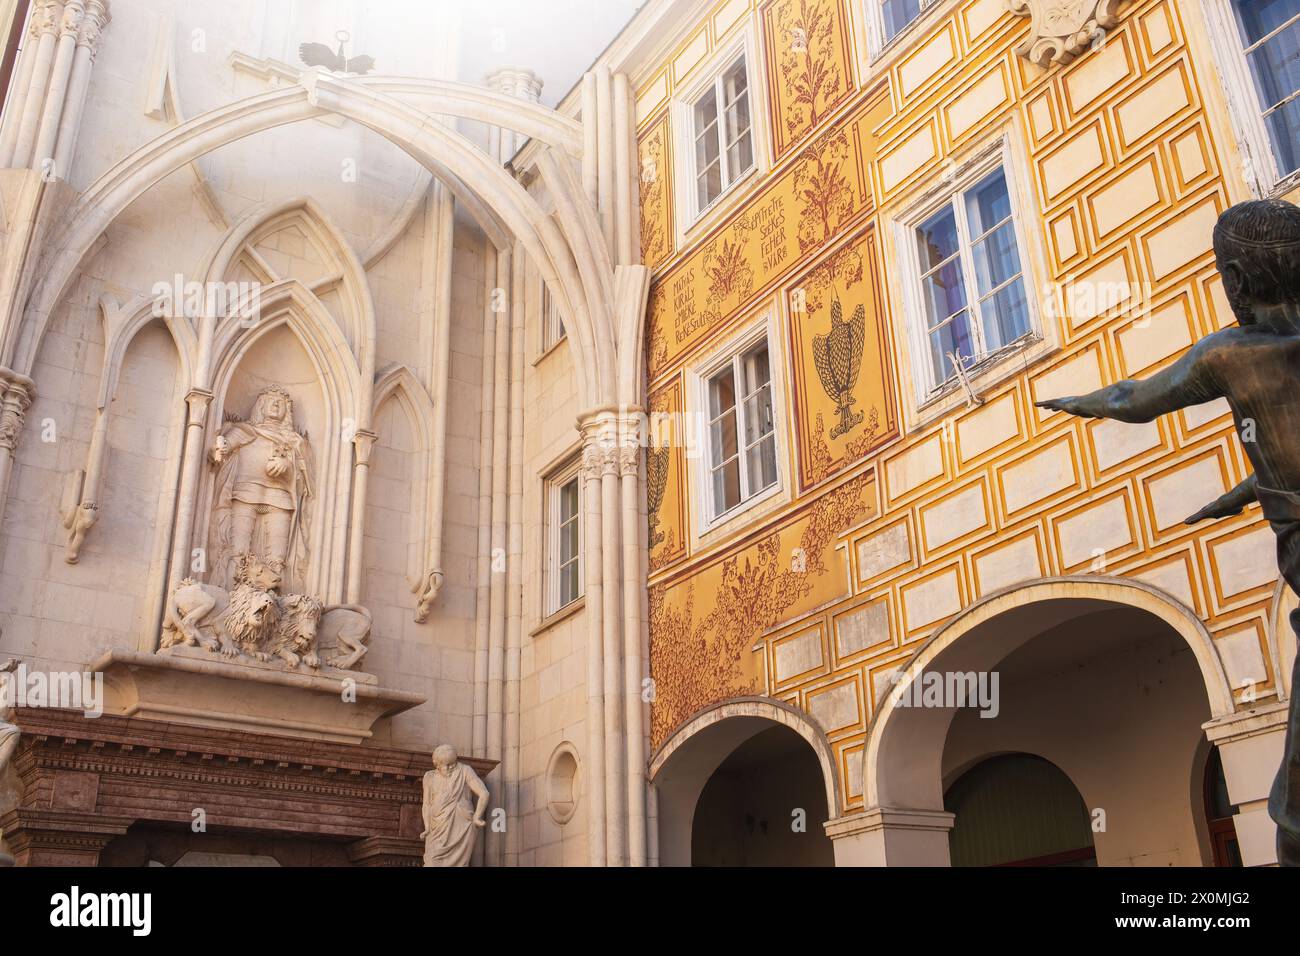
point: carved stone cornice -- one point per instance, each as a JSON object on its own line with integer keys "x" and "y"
{"x": 1061, "y": 30}
{"x": 84, "y": 781}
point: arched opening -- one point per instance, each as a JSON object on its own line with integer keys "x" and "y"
{"x": 763, "y": 806}
{"x": 1018, "y": 810}
{"x": 750, "y": 782}
{"x": 1108, "y": 681}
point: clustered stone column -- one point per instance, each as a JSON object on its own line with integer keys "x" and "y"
{"x": 52, "y": 79}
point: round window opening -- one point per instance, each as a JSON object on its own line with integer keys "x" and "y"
{"x": 562, "y": 783}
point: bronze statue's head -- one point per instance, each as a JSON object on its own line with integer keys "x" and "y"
{"x": 1257, "y": 245}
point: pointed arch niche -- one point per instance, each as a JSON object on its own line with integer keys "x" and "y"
{"x": 401, "y": 494}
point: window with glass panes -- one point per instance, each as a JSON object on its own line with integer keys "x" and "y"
{"x": 565, "y": 572}
{"x": 742, "y": 430}
{"x": 1270, "y": 36}
{"x": 724, "y": 137}
{"x": 896, "y": 14}
{"x": 552, "y": 326}
{"x": 972, "y": 279}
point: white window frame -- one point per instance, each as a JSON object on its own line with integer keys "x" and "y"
{"x": 709, "y": 74}
{"x": 874, "y": 16}
{"x": 566, "y": 475}
{"x": 764, "y": 331}
{"x": 955, "y": 183}
{"x": 1260, "y": 167}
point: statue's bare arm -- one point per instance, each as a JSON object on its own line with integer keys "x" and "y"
{"x": 480, "y": 790}
{"x": 1229, "y": 504}
{"x": 1189, "y": 381}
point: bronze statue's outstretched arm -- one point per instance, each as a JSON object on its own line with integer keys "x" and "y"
{"x": 1187, "y": 382}
{"x": 1229, "y": 504}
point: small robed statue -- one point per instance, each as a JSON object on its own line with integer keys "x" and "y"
{"x": 451, "y": 818}
{"x": 1256, "y": 367}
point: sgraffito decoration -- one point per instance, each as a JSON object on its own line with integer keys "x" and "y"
{"x": 656, "y": 194}
{"x": 705, "y": 624}
{"x": 1061, "y": 30}
{"x": 839, "y": 347}
{"x": 665, "y": 467}
{"x": 819, "y": 194}
{"x": 808, "y": 65}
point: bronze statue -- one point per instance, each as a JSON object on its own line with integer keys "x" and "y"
{"x": 1256, "y": 367}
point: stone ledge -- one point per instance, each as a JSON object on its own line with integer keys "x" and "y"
{"x": 190, "y": 686}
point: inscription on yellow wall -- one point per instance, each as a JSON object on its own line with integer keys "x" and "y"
{"x": 804, "y": 207}
{"x": 807, "y": 65}
{"x": 840, "y": 351}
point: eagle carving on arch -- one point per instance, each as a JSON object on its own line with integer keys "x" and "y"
{"x": 318, "y": 54}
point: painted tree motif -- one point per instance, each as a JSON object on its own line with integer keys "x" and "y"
{"x": 654, "y": 215}
{"x": 809, "y": 69}
{"x": 824, "y": 193}
{"x": 728, "y": 270}
{"x": 695, "y": 665}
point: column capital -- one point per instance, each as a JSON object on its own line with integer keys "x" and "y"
{"x": 92, "y": 25}
{"x": 364, "y": 442}
{"x": 16, "y": 394}
{"x": 70, "y": 22}
{"x": 47, "y": 17}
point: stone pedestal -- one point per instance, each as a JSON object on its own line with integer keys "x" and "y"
{"x": 188, "y": 685}
{"x": 88, "y": 781}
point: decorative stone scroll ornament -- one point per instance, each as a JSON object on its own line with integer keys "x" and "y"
{"x": 1063, "y": 29}
{"x": 1252, "y": 365}
{"x": 451, "y": 820}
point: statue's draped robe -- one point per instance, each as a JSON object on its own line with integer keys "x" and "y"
{"x": 449, "y": 816}
{"x": 241, "y": 477}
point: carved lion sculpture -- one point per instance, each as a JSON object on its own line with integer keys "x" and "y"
{"x": 239, "y": 621}
{"x": 295, "y": 639}
{"x": 345, "y": 629}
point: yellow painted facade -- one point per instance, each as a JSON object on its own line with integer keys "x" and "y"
{"x": 1119, "y": 163}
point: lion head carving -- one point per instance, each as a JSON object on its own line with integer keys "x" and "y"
{"x": 295, "y": 638}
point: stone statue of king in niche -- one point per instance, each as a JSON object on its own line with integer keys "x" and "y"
{"x": 264, "y": 479}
